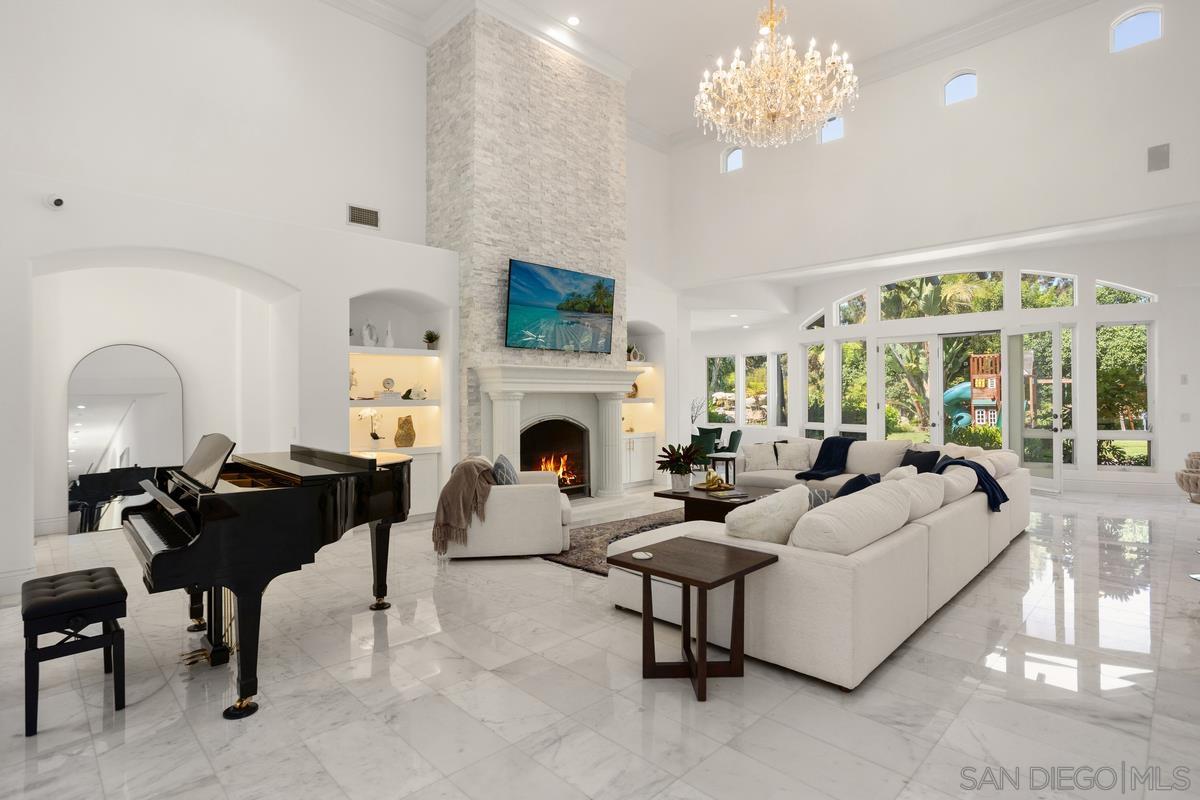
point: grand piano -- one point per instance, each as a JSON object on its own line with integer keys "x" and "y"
{"x": 217, "y": 524}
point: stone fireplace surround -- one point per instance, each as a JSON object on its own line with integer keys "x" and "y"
{"x": 519, "y": 395}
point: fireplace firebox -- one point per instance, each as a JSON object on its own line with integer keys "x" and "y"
{"x": 560, "y": 446}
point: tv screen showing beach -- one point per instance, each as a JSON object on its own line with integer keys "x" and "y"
{"x": 557, "y": 309}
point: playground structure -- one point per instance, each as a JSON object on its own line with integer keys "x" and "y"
{"x": 975, "y": 401}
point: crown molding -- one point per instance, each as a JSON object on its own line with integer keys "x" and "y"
{"x": 385, "y": 14}
{"x": 382, "y": 14}
{"x": 647, "y": 136}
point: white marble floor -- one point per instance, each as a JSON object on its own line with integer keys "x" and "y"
{"x": 513, "y": 678}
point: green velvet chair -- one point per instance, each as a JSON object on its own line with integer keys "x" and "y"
{"x": 706, "y": 440}
{"x": 735, "y": 441}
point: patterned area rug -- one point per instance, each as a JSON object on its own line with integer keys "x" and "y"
{"x": 589, "y": 545}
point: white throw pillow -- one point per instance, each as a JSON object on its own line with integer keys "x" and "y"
{"x": 900, "y": 473}
{"x": 875, "y": 458}
{"x": 850, "y": 523}
{"x": 961, "y": 451}
{"x": 925, "y": 493}
{"x": 759, "y": 456}
{"x": 959, "y": 482}
{"x": 770, "y": 519}
{"x": 793, "y": 455}
{"x": 1005, "y": 461}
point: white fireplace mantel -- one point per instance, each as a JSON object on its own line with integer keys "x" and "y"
{"x": 506, "y": 385}
{"x": 561, "y": 380}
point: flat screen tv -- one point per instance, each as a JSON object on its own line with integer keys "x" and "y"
{"x": 558, "y": 309}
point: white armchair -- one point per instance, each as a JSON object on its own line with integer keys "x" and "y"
{"x": 530, "y": 518}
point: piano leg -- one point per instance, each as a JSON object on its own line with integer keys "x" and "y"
{"x": 380, "y": 539}
{"x": 218, "y": 648}
{"x": 196, "y": 609}
{"x": 249, "y": 611}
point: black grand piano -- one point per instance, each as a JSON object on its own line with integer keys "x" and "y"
{"x": 216, "y": 523}
{"x": 91, "y": 492}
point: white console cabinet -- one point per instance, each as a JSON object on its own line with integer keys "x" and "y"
{"x": 637, "y": 457}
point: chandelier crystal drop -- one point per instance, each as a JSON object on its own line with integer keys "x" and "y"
{"x": 781, "y": 96}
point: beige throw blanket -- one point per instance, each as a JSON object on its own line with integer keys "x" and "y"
{"x": 466, "y": 493}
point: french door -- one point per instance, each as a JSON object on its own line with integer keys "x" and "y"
{"x": 1039, "y": 425}
{"x": 909, "y": 406}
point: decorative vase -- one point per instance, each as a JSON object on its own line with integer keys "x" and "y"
{"x": 388, "y": 341}
{"x": 369, "y": 337}
{"x": 681, "y": 483}
{"x": 406, "y": 432}
{"x": 431, "y": 345}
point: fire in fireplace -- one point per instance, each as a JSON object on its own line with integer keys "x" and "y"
{"x": 559, "y": 446}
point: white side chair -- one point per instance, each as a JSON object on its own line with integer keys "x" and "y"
{"x": 530, "y": 518}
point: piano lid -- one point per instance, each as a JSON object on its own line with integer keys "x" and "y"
{"x": 309, "y": 464}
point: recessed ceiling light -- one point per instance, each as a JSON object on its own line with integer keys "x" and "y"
{"x": 573, "y": 21}
{"x": 747, "y": 327}
{"x": 78, "y": 424}
{"x": 70, "y": 451}
{"x": 733, "y": 316}
{"x": 69, "y": 461}
{"x": 81, "y": 408}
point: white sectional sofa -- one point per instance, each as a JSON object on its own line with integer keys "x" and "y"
{"x": 844, "y": 594}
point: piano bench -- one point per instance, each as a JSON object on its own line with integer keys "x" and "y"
{"x": 66, "y": 604}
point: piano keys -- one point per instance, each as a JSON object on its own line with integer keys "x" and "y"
{"x": 217, "y": 524}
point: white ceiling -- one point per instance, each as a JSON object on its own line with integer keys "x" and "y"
{"x": 667, "y": 44}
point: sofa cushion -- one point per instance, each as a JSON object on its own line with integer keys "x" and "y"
{"x": 833, "y": 484}
{"x": 769, "y": 478}
{"x": 760, "y": 456}
{"x": 503, "y": 472}
{"x": 959, "y": 482}
{"x": 848, "y": 524}
{"x": 952, "y": 450}
{"x": 985, "y": 462}
{"x": 793, "y": 455}
{"x": 923, "y": 460}
{"x": 1005, "y": 461}
{"x": 902, "y": 472}
{"x": 564, "y": 505}
{"x": 926, "y": 493}
{"x": 770, "y": 519}
{"x": 857, "y": 484}
{"x": 880, "y": 456}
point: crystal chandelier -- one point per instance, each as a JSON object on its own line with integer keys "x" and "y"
{"x": 778, "y": 98}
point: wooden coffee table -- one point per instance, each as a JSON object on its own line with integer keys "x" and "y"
{"x": 702, "y": 505}
{"x": 704, "y": 565}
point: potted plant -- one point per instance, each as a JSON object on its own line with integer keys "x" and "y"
{"x": 678, "y": 460}
{"x": 431, "y": 339}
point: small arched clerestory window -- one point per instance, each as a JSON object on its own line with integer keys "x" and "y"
{"x": 963, "y": 86}
{"x": 732, "y": 160}
{"x": 1136, "y": 27}
{"x": 833, "y": 129}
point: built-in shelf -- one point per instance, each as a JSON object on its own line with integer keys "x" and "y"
{"x": 409, "y": 352}
{"x": 639, "y": 435}
{"x": 393, "y": 403}
{"x": 643, "y": 400}
{"x": 641, "y": 364}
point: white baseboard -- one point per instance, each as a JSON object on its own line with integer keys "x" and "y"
{"x": 1106, "y": 486}
{"x": 49, "y": 525}
{"x": 11, "y": 580}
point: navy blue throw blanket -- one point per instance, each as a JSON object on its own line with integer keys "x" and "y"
{"x": 831, "y": 460}
{"x": 985, "y": 483}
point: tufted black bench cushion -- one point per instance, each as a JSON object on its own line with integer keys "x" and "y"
{"x": 68, "y": 592}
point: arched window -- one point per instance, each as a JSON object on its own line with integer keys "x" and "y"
{"x": 1136, "y": 27}
{"x": 963, "y": 86}
{"x": 832, "y": 130}
{"x": 942, "y": 295}
{"x": 1047, "y": 290}
{"x": 731, "y": 160}
{"x": 853, "y": 310}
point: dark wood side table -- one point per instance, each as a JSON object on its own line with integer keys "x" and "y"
{"x": 704, "y": 565}
{"x": 701, "y": 505}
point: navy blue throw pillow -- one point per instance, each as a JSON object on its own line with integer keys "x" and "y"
{"x": 504, "y": 472}
{"x": 924, "y": 461}
{"x": 857, "y": 484}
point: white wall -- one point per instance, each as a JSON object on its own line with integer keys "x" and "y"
{"x": 1057, "y": 135}
{"x": 1163, "y": 265}
{"x": 301, "y": 272}
{"x": 215, "y": 339}
{"x": 649, "y": 203}
{"x": 283, "y": 109}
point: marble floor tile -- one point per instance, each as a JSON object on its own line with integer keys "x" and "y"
{"x": 444, "y": 734}
{"x": 717, "y": 719}
{"x": 598, "y": 767}
{"x": 367, "y": 757}
{"x": 512, "y": 775}
{"x": 656, "y": 737}
{"x": 497, "y": 703}
{"x": 378, "y": 680}
{"x": 290, "y": 772}
{"x": 481, "y": 646}
{"x": 558, "y": 687}
{"x": 730, "y": 775}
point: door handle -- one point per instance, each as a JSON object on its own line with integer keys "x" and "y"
{"x": 1054, "y": 430}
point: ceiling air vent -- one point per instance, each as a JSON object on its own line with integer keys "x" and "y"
{"x": 367, "y": 217}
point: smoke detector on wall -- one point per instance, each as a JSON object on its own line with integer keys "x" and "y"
{"x": 363, "y": 217}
